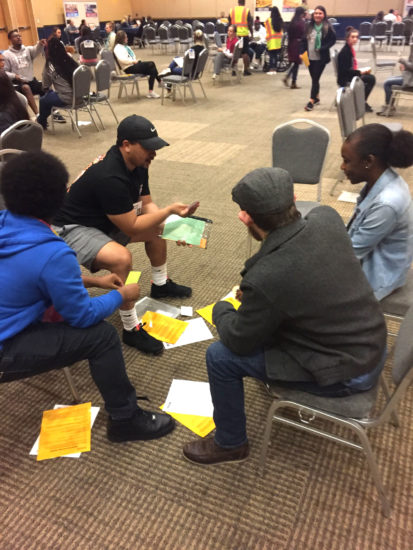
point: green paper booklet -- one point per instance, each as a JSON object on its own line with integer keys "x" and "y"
{"x": 192, "y": 229}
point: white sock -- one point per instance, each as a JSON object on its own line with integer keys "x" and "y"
{"x": 159, "y": 275}
{"x": 129, "y": 318}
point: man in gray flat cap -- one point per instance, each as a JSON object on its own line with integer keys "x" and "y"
{"x": 308, "y": 318}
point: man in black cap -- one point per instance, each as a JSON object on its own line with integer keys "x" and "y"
{"x": 308, "y": 318}
{"x": 110, "y": 205}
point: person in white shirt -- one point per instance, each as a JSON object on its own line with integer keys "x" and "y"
{"x": 259, "y": 41}
{"x": 390, "y": 16}
{"x": 130, "y": 65}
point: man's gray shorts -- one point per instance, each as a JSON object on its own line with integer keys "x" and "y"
{"x": 87, "y": 241}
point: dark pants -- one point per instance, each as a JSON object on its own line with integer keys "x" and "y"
{"x": 47, "y": 346}
{"x": 35, "y": 86}
{"x": 273, "y": 59}
{"x": 316, "y": 69}
{"x": 49, "y": 100}
{"x": 146, "y": 68}
{"x": 369, "y": 82}
{"x": 226, "y": 371}
{"x": 293, "y": 71}
{"x": 258, "y": 49}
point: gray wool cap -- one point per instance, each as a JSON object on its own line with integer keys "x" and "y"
{"x": 264, "y": 191}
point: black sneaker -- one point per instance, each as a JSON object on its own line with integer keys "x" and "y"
{"x": 58, "y": 118}
{"x": 170, "y": 290}
{"x": 368, "y": 108}
{"x": 138, "y": 338}
{"x": 143, "y": 425}
{"x": 309, "y": 106}
{"x": 247, "y": 73}
{"x": 317, "y": 100}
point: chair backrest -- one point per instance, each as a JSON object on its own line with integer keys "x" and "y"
{"x": 174, "y": 30}
{"x": 179, "y": 22}
{"x": 379, "y": 29}
{"x": 237, "y": 53}
{"x": 408, "y": 29}
{"x": 163, "y": 32}
{"x": 102, "y": 75}
{"x": 403, "y": 353}
{"x": 188, "y": 66}
{"x": 183, "y": 33}
{"x": 202, "y": 61}
{"x": 332, "y": 20}
{"x": 149, "y": 33}
{"x": 107, "y": 55}
{"x": 25, "y": 135}
{"x": 217, "y": 39}
{"x": 190, "y": 29}
{"x": 358, "y": 89}
{"x": 96, "y": 34}
{"x": 397, "y": 29}
{"x": 82, "y": 77}
{"x": 365, "y": 28}
{"x": 166, "y": 23}
{"x": 221, "y": 28}
{"x": 334, "y": 60}
{"x": 346, "y": 111}
{"x": 300, "y": 151}
{"x": 77, "y": 40}
{"x": 210, "y": 27}
{"x": 88, "y": 49}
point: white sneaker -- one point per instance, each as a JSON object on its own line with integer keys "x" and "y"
{"x": 252, "y": 67}
{"x": 165, "y": 72}
{"x": 271, "y": 72}
{"x": 214, "y": 76}
{"x": 153, "y": 95}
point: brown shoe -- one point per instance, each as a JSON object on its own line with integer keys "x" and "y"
{"x": 294, "y": 86}
{"x": 285, "y": 80}
{"x": 206, "y": 451}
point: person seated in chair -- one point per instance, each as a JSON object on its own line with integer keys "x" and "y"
{"x": 71, "y": 32}
{"x": 47, "y": 319}
{"x": 57, "y": 73}
{"x": 18, "y": 64}
{"x": 110, "y": 205}
{"x": 224, "y": 55}
{"x": 381, "y": 228}
{"x": 258, "y": 43}
{"x": 308, "y": 318}
{"x": 347, "y": 66}
{"x": 130, "y": 65}
{"x": 405, "y": 80}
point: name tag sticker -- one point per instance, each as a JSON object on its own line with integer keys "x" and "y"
{"x": 138, "y": 207}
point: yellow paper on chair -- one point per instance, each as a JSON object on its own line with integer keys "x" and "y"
{"x": 206, "y": 312}
{"x": 65, "y": 431}
{"x": 164, "y": 328}
{"x": 201, "y": 425}
{"x": 133, "y": 277}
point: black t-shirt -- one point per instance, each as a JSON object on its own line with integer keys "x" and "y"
{"x": 105, "y": 188}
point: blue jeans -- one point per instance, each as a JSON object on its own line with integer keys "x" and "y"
{"x": 392, "y": 81}
{"x": 273, "y": 59}
{"x": 49, "y": 100}
{"x": 226, "y": 371}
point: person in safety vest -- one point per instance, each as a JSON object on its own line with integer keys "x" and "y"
{"x": 241, "y": 17}
{"x": 274, "y": 28}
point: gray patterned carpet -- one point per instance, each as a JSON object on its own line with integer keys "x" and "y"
{"x": 145, "y": 496}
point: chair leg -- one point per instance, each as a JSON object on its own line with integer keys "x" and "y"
{"x": 113, "y": 112}
{"x": 192, "y": 91}
{"x": 75, "y": 125}
{"x": 71, "y": 384}
{"x": 94, "y": 109}
{"x": 394, "y": 418}
{"x": 266, "y": 438}
{"x": 88, "y": 109}
{"x": 385, "y": 504}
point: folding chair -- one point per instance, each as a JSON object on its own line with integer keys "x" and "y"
{"x": 379, "y": 32}
{"x": 380, "y": 65}
{"x": 185, "y": 79}
{"x": 364, "y": 32}
{"x": 354, "y": 412}
{"x": 397, "y": 35}
{"x": 200, "y": 67}
{"x": 82, "y": 77}
{"x": 24, "y": 135}
{"x": 102, "y": 90}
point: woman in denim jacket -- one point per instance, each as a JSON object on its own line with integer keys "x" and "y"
{"x": 381, "y": 228}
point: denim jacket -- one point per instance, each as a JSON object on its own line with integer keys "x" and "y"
{"x": 382, "y": 233}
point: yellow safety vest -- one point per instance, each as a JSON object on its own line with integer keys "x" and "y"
{"x": 273, "y": 38}
{"x": 239, "y": 18}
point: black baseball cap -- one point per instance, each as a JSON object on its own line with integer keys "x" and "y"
{"x": 139, "y": 129}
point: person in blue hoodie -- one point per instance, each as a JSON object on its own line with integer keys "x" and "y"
{"x": 47, "y": 318}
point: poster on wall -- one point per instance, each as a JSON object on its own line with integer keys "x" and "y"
{"x": 76, "y": 11}
{"x": 263, "y": 5}
{"x": 291, "y": 5}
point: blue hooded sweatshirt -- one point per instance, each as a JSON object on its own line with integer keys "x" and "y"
{"x": 37, "y": 270}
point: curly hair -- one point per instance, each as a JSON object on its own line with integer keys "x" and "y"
{"x": 34, "y": 184}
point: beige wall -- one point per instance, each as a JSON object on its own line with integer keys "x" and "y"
{"x": 358, "y": 7}
{"x": 50, "y": 12}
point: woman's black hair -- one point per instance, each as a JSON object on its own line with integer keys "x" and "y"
{"x": 34, "y": 184}
{"x": 9, "y": 100}
{"x": 62, "y": 62}
{"x": 298, "y": 14}
{"x": 276, "y": 19}
{"x": 391, "y": 149}
{"x": 350, "y": 30}
{"x": 379, "y": 16}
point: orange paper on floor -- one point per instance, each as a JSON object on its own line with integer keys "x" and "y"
{"x": 164, "y": 328}
{"x": 65, "y": 431}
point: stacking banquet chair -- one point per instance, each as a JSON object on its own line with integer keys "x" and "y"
{"x": 396, "y": 305}
{"x": 121, "y": 78}
{"x": 379, "y": 32}
{"x": 165, "y": 38}
{"x": 200, "y": 68}
{"x": 24, "y": 135}
{"x": 102, "y": 90}
{"x": 302, "y": 152}
{"x": 230, "y": 67}
{"x": 380, "y": 64}
{"x": 5, "y": 156}
{"x": 82, "y": 77}
{"x": 354, "y": 413}
{"x": 185, "y": 37}
{"x": 149, "y": 34}
{"x": 185, "y": 79}
{"x": 364, "y": 32}
{"x": 397, "y": 34}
